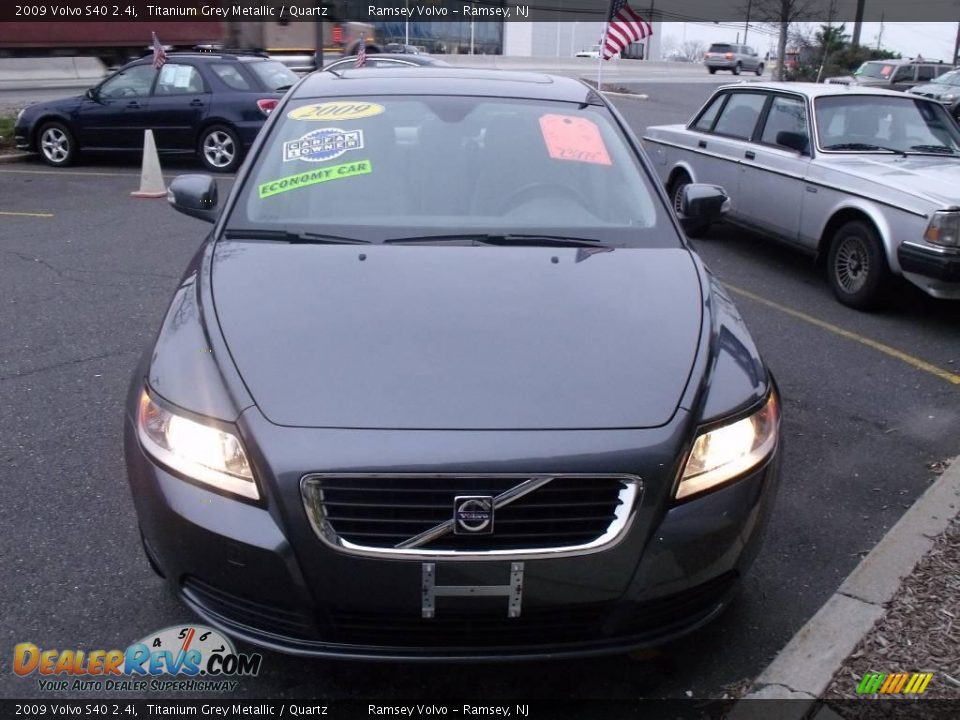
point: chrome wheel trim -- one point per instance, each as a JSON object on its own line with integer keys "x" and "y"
{"x": 851, "y": 266}
{"x": 678, "y": 198}
{"x": 219, "y": 149}
{"x": 55, "y": 145}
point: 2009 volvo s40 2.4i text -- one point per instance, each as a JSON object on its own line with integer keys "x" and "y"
{"x": 447, "y": 381}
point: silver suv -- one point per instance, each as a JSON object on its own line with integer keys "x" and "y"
{"x": 894, "y": 74}
{"x": 735, "y": 58}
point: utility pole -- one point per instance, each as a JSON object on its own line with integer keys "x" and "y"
{"x": 858, "y": 22}
{"x": 318, "y": 39}
{"x": 956, "y": 46}
{"x": 880, "y": 35}
{"x": 746, "y": 24}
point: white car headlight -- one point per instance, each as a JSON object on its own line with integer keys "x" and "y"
{"x": 204, "y": 453}
{"x": 944, "y": 228}
{"x": 728, "y": 451}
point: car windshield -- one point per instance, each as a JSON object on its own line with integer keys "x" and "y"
{"x": 274, "y": 74}
{"x": 858, "y": 123}
{"x": 879, "y": 70}
{"x": 950, "y": 78}
{"x": 378, "y": 168}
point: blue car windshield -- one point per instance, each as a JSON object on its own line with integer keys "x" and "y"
{"x": 444, "y": 164}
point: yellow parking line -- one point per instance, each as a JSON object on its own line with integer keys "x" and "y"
{"x": 67, "y": 172}
{"x": 83, "y": 173}
{"x": 26, "y": 214}
{"x": 950, "y": 377}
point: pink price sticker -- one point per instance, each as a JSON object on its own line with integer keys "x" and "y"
{"x": 886, "y": 70}
{"x": 574, "y": 138}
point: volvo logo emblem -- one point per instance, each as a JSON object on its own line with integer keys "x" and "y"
{"x": 473, "y": 515}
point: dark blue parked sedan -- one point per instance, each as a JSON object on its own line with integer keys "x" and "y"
{"x": 208, "y": 104}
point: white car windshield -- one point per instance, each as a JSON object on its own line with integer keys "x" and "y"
{"x": 864, "y": 123}
{"x": 399, "y": 165}
{"x": 950, "y": 78}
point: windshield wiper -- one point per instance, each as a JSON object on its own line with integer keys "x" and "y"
{"x": 864, "y": 146}
{"x": 283, "y": 88}
{"x": 938, "y": 149}
{"x": 309, "y": 238}
{"x": 503, "y": 239}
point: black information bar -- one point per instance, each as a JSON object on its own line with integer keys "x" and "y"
{"x": 866, "y": 709}
{"x": 758, "y": 11}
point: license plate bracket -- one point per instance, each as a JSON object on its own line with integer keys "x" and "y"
{"x": 430, "y": 590}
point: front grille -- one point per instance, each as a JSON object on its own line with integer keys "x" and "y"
{"x": 381, "y": 512}
{"x": 235, "y": 608}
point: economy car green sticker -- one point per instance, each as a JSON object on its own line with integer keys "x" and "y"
{"x": 312, "y": 177}
{"x": 338, "y": 110}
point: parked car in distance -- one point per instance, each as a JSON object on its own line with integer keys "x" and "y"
{"x": 591, "y": 52}
{"x": 944, "y": 89}
{"x": 893, "y": 74}
{"x": 541, "y": 430}
{"x": 387, "y": 60}
{"x": 401, "y": 49}
{"x": 865, "y": 179}
{"x": 207, "y": 104}
{"x": 732, "y": 57}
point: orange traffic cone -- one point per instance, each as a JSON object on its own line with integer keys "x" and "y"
{"x": 151, "y": 179}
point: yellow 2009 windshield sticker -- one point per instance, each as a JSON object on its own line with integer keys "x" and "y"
{"x": 312, "y": 177}
{"x": 338, "y": 110}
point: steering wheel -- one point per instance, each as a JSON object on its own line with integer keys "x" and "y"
{"x": 535, "y": 190}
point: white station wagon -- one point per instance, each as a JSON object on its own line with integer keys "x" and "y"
{"x": 867, "y": 180}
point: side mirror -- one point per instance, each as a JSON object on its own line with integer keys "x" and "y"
{"x": 793, "y": 140}
{"x": 92, "y": 94}
{"x": 701, "y": 205}
{"x": 194, "y": 195}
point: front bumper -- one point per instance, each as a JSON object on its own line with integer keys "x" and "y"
{"x": 934, "y": 270}
{"x": 21, "y": 137}
{"x": 259, "y": 573}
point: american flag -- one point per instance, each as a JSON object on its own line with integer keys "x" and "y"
{"x": 361, "y": 53}
{"x": 159, "y": 54}
{"x": 625, "y": 27}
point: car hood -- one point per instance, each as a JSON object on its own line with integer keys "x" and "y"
{"x": 453, "y": 337}
{"x": 935, "y": 90}
{"x": 928, "y": 177}
{"x": 64, "y": 104}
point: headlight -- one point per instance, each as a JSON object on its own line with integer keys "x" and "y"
{"x": 726, "y": 452}
{"x": 949, "y": 98}
{"x": 944, "y": 228}
{"x": 201, "y": 452}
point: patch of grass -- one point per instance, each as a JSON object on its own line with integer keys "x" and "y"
{"x": 6, "y": 131}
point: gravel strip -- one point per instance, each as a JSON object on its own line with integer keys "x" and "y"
{"x": 920, "y": 631}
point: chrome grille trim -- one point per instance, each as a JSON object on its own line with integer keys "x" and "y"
{"x": 629, "y": 497}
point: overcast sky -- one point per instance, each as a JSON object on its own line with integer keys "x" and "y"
{"x": 932, "y": 40}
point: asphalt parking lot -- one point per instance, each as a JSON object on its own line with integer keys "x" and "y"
{"x": 872, "y": 403}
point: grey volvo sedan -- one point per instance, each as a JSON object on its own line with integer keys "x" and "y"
{"x": 446, "y": 380}
{"x": 867, "y": 180}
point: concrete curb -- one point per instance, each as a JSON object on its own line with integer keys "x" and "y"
{"x": 628, "y": 96}
{"x": 805, "y": 667}
{"x": 13, "y": 157}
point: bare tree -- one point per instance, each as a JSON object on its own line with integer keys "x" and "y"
{"x": 692, "y": 50}
{"x": 781, "y": 14}
{"x": 669, "y": 46}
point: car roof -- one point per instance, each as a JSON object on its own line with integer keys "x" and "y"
{"x": 251, "y": 56}
{"x": 403, "y": 57}
{"x": 444, "y": 81}
{"x": 814, "y": 90}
